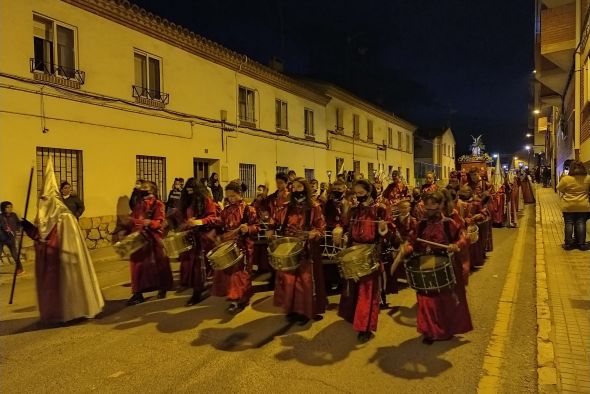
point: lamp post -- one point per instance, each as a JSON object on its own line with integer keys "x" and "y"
{"x": 329, "y": 173}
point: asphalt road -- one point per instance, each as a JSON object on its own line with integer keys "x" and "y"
{"x": 163, "y": 347}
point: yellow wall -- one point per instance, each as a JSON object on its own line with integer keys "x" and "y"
{"x": 112, "y": 132}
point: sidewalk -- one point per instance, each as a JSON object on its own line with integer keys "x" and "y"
{"x": 563, "y": 342}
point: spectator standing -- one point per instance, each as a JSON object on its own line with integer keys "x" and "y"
{"x": 173, "y": 201}
{"x": 575, "y": 205}
{"x": 216, "y": 189}
{"x": 74, "y": 203}
{"x": 9, "y": 226}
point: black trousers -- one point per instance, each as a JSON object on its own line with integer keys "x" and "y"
{"x": 11, "y": 243}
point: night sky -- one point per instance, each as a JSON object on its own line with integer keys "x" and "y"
{"x": 464, "y": 61}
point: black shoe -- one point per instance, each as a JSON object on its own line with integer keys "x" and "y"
{"x": 135, "y": 299}
{"x": 195, "y": 299}
{"x": 318, "y": 318}
{"x": 584, "y": 247}
{"x": 292, "y": 317}
{"x": 383, "y": 305}
{"x": 234, "y": 308}
{"x": 568, "y": 246}
{"x": 302, "y": 320}
{"x": 427, "y": 341}
{"x": 161, "y": 294}
{"x": 364, "y": 336}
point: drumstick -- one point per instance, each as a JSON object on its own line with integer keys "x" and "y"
{"x": 432, "y": 243}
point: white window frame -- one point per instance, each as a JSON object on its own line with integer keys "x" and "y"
{"x": 244, "y": 117}
{"x": 149, "y": 56}
{"x": 279, "y": 117}
{"x": 55, "y": 23}
{"x": 308, "y": 122}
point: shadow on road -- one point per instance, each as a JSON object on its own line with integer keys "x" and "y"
{"x": 331, "y": 345}
{"x": 251, "y": 335}
{"x": 414, "y": 360}
{"x": 405, "y": 316}
{"x": 159, "y": 313}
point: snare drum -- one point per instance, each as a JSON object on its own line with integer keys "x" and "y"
{"x": 358, "y": 261}
{"x": 130, "y": 244}
{"x": 176, "y": 243}
{"x": 329, "y": 249}
{"x": 430, "y": 273}
{"x": 225, "y": 255}
{"x": 473, "y": 233}
{"x": 284, "y": 253}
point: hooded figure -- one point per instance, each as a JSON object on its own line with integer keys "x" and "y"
{"x": 67, "y": 287}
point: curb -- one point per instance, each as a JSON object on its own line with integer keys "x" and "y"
{"x": 546, "y": 370}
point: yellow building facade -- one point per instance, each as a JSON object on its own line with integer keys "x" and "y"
{"x": 115, "y": 93}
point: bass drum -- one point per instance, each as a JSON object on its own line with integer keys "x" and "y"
{"x": 430, "y": 274}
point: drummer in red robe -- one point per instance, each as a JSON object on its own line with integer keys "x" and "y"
{"x": 198, "y": 213}
{"x": 417, "y": 205}
{"x": 429, "y": 185}
{"x": 396, "y": 190}
{"x": 301, "y": 293}
{"x": 471, "y": 211}
{"x": 406, "y": 226}
{"x": 334, "y": 210}
{"x": 278, "y": 201}
{"x": 366, "y": 223}
{"x": 261, "y": 205}
{"x": 150, "y": 267}
{"x": 239, "y": 223}
{"x": 441, "y": 315}
{"x": 462, "y": 218}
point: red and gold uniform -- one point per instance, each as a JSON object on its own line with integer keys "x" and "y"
{"x": 395, "y": 192}
{"x": 442, "y": 315}
{"x": 302, "y": 291}
{"x": 359, "y": 301}
{"x": 150, "y": 267}
{"x": 235, "y": 282}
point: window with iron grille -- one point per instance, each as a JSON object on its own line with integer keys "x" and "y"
{"x": 309, "y": 174}
{"x": 67, "y": 165}
{"x": 282, "y": 170}
{"x": 370, "y": 130}
{"x": 246, "y": 105}
{"x": 281, "y": 115}
{"x": 248, "y": 177}
{"x": 390, "y": 137}
{"x": 152, "y": 168}
{"x": 408, "y": 144}
{"x": 339, "y": 165}
{"x": 308, "y": 118}
{"x": 399, "y": 140}
{"x": 356, "y": 166}
{"x": 371, "y": 171}
{"x": 356, "y": 131}
{"x": 148, "y": 72}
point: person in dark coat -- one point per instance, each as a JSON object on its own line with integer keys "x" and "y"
{"x": 74, "y": 203}
{"x": 216, "y": 189}
{"x": 9, "y": 226}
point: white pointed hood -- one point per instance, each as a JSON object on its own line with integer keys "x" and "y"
{"x": 498, "y": 178}
{"x": 50, "y": 205}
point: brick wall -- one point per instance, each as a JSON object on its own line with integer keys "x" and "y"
{"x": 558, "y": 25}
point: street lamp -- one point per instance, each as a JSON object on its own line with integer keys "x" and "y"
{"x": 536, "y": 111}
{"x": 528, "y": 149}
{"x": 329, "y": 173}
{"x": 529, "y": 135}
{"x": 495, "y": 155}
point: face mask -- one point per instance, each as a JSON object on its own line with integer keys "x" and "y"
{"x": 299, "y": 196}
{"x": 431, "y": 213}
{"x": 144, "y": 193}
{"x": 337, "y": 195}
{"x": 362, "y": 199}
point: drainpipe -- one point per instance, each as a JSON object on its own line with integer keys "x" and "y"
{"x": 577, "y": 65}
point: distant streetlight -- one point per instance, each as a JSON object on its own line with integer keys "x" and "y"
{"x": 527, "y": 147}
{"x": 529, "y": 135}
{"x": 536, "y": 112}
{"x": 534, "y": 71}
{"x": 495, "y": 155}
{"x": 515, "y": 157}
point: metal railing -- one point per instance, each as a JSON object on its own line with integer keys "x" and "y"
{"x": 49, "y": 68}
{"x": 151, "y": 94}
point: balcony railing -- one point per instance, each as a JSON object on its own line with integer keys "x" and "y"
{"x": 39, "y": 65}
{"x": 141, "y": 92}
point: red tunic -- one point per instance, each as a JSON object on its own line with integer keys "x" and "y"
{"x": 303, "y": 291}
{"x": 235, "y": 282}
{"x": 418, "y": 211}
{"x": 442, "y": 315}
{"x": 468, "y": 210}
{"x": 260, "y": 248}
{"x": 395, "y": 192}
{"x": 193, "y": 262}
{"x": 429, "y": 188}
{"x": 277, "y": 203}
{"x": 359, "y": 301}
{"x": 150, "y": 267}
